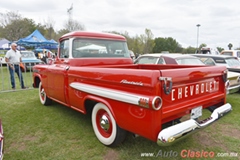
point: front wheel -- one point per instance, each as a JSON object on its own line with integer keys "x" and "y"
{"x": 43, "y": 96}
{"x": 105, "y": 127}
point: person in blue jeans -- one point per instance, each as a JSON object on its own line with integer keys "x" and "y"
{"x": 13, "y": 59}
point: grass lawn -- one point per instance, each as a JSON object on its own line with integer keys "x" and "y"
{"x": 36, "y": 132}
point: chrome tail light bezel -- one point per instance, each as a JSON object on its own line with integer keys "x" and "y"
{"x": 159, "y": 104}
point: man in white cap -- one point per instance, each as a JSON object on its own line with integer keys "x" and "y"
{"x": 13, "y": 59}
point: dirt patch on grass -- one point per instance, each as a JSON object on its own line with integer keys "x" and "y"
{"x": 19, "y": 146}
{"x": 29, "y": 138}
{"x": 230, "y": 131}
{"x": 22, "y": 146}
{"x": 213, "y": 138}
{"x": 111, "y": 155}
{"x": 210, "y": 140}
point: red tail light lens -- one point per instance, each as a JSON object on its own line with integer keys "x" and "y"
{"x": 157, "y": 103}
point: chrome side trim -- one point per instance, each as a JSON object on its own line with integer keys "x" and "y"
{"x": 179, "y": 131}
{"x": 111, "y": 94}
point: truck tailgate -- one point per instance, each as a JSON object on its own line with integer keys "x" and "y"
{"x": 185, "y": 89}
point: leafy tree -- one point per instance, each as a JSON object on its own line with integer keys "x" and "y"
{"x": 159, "y": 45}
{"x": 49, "y": 28}
{"x": 167, "y": 44}
{"x": 137, "y": 47}
{"x": 73, "y": 25}
{"x": 189, "y": 49}
{"x": 7, "y": 18}
{"x": 134, "y": 43}
{"x": 61, "y": 32}
{"x": 202, "y": 45}
{"x": 15, "y": 27}
{"x": 1, "y": 32}
{"x": 147, "y": 40}
{"x": 18, "y": 29}
{"x": 230, "y": 46}
{"x": 220, "y": 49}
{"x": 41, "y": 28}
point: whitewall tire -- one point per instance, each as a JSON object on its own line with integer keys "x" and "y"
{"x": 43, "y": 97}
{"x": 105, "y": 127}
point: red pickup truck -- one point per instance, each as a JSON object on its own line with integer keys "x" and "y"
{"x": 94, "y": 73}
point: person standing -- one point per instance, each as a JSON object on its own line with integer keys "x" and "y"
{"x": 13, "y": 59}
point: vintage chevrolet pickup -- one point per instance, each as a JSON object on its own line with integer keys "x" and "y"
{"x": 93, "y": 73}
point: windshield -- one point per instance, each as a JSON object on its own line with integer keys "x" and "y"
{"x": 190, "y": 61}
{"x": 28, "y": 54}
{"x": 227, "y": 53}
{"x": 99, "y": 48}
{"x": 232, "y": 62}
{"x": 149, "y": 60}
{"x": 207, "y": 61}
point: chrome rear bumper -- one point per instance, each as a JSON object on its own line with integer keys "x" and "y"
{"x": 179, "y": 131}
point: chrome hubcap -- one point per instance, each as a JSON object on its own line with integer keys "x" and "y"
{"x": 104, "y": 123}
{"x": 42, "y": 92}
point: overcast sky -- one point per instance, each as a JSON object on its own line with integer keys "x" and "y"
{"x": 219, "y": 20}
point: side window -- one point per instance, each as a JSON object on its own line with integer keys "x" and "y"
{"x": 64, "y": 49}
{"x": 160, "y": 61}
{"x": 209, "y": 61}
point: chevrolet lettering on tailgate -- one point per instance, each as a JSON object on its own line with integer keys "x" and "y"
{"x": 195, "y": 89}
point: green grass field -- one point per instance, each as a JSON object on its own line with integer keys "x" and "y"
{"x": 36, "y": 132}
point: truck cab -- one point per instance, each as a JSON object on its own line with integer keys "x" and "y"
{"x": 95, "y": 46}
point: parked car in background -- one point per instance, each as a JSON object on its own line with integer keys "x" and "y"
{"x": 235, "y": 53}
{"x": 1, "y": 140}
{"x": 29, "y": 60}
{"x": 2, "y": 61}
{"x": 232, "y": 63}
{"x": 168, "y": 58}
{"x": 234, "y": 82}
{"x": 185, "y": 59}
{"x": 233, "y": 77}
{"x": 40, "y": 53}
{"x": 2, "y": 57}
{"x": 208, "y": 50}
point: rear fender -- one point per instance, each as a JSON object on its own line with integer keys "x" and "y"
{"x": 37, "y": 80}
{"x": 97, "y": 100}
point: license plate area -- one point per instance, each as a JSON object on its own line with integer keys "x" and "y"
{"x": 196, "y": 112}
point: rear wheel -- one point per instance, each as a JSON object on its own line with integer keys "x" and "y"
{"x": 43, "y": 97}
{"x": 105, "y": 127}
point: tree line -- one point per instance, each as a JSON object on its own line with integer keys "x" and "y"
{"x": 13, "y": 27}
